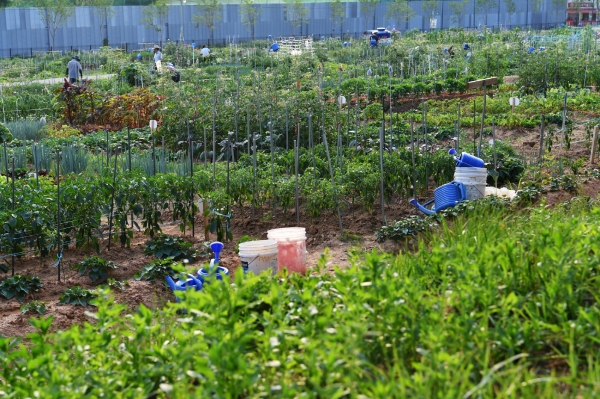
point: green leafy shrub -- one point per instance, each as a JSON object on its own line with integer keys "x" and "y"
{"x": 5, "y": 134}
{"x": 95, "y": 267}
{"x": 159, "y": 269}
{"x": 19, "y": 286}
{"x": 77, "y": 296}
{"x": 165, "y": 246}
{"x": 36, "y": 306}
{"x": 121, "y": 285}
{"x": 373, "y": 111}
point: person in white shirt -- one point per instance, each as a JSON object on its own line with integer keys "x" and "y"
{"x": 157, "y": 58}
{"x": 205, "y": 51}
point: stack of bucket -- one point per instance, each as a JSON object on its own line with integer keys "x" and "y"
{"x": 284, "y": 248}
{"x": 471, "y": 172}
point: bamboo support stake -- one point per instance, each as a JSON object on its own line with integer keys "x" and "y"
{"x": 594, "y": 145}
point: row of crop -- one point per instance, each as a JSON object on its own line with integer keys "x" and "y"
{"x": 137, "y": 201}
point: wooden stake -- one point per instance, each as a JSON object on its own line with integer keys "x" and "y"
{"x": 594, "y": 145}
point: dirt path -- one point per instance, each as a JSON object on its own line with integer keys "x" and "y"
{"x": 59, "y": 80}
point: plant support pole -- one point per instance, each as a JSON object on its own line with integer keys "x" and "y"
{"x": 541, "y": 149}
{"x": 13, "y": 209}
{"x": 112, "y": 204}
{"x": 594, "y": 145}
{"x": 382, "y": 199}
{"x": 296, "y": 150}
{"x": 58, "y": 211}
{"x": 482, "y": 119}
{"x": 335, "y": 197}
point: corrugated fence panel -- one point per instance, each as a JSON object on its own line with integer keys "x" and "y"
{"x": 22, "y": 30}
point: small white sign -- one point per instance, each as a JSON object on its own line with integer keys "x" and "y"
{"x": 153, "y": 124}
{"x": 514, "y": 101}
{"x": 432, "y": 23}
{"x": 342, "y": 100}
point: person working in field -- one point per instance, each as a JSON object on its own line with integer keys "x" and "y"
{"x": 157, "y": 58}
{"x": 74, "y": 70}
{"x": 205, "y": 51}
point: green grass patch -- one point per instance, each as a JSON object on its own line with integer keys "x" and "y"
{"x": 492, "y": 305}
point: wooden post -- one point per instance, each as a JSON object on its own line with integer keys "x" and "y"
{"x": 594, "y": 145}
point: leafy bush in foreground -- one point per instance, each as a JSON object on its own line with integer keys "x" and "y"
{"x": 95, "y": 267}
{"x": 19, "y": 286}
{"x": 494, "y": 306}
{"x": 77, "y": 296}
{"x": 165, "y": 246}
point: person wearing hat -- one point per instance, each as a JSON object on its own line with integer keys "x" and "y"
{"x": 74, "y": 70}
{"x": 157, "y": 57}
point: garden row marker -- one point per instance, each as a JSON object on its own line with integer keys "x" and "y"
{"x": 514, "y": 101}
{"x": 335, "y": 197}
{"x": 541, "y": 149}
{"x": 594, "y": 145}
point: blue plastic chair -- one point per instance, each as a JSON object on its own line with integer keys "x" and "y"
{"x": 445, "y": 196}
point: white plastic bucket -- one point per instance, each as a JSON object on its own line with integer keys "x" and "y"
{"x": 292, "y": 248}
{"x": 474, "y": 179}
{"x": 258, "y": 256}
